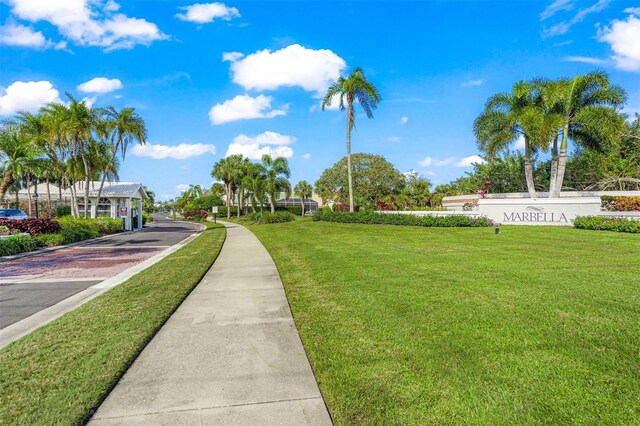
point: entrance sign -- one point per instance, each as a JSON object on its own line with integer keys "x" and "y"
{"x": 541, "y": 211}
{"x": 214, "y": 209}
{"x": 123, "y": 211}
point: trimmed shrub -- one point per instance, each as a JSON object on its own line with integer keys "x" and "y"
{"x": 100, "y": 225}
{"x": 17, "y": 244}
{"x": 222, "y": 211}
{"x": 31, "y": 226}
{"x": 50, "y": 240}
{"x": 620, "y": 203}
{"x": 296, "y": 210}
{"x": 62, "y": 210}
{"x": 402, "y": 219}
{"x": 268, "y": 217}
{"x": 604, "y": 223}
{"x": 73, "y": 235}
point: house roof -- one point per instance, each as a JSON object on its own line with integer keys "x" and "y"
{"x": 113, "y": 189}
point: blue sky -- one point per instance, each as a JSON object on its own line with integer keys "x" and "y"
{"x": 246, "y": 76}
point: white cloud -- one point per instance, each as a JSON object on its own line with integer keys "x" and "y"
{"x": 472, "y": 83}
{"x": 89, "y": 22}
{"x": 429, "y": 173}
{"x": 520, "y": 142}
{"x": 313, "y": 70}
{"x": 555, "y": 7}
{"x": 463, "y": 162}
{"x": 564, "y": 27}
{"x": 469, "y": 161}
{"x": 181, "y": 187}
{"x": 429, "y": 161}
{"x": 89, "y": 100}
{"x": 100, "y": 85}
{"x": 272, "y": 143}
{"x": 633, "y": 10}
{"x": 231, "y": 56}
{"x": 177, "y": 152}
{"x": 393, "y": 139}
{"x": 14, "y": 34}
{"x": 404, "y": 120}
{"x": 306, "y": 155}
{"x": 623, "y": 38}
{"x": 244, "y": 107}
{"x": 585, "y": 60}
{"x": 26, "y": 96}
{"x": 206, "y": 12}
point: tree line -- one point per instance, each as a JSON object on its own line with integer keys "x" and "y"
{"x": 67, "y": 143}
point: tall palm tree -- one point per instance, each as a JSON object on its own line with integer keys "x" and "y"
{"x": 119, "y": 129}
{"x": 226, "y": 170}
{"x": 276, "y": 172}
{"x": 588, "y": 105}
{"x": 303, "y": 190}
{"x": 254, "y": 182}
{"x": 509, "y": 116}
{"x": 355, "y": 88}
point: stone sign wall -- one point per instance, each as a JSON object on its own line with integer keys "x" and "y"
{"x": 541, "y": 211}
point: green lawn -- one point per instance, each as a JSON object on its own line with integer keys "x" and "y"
{"x": 409, "y": 325}
{"x": 61, "y": 372}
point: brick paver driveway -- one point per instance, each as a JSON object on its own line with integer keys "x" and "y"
{"x": 34, "y": 283}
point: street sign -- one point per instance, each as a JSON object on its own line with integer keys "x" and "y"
{"x": 214, "y": 209}
{"x": 123, "y": 211}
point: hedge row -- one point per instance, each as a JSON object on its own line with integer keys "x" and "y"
{"x": 100, "y": 225}
{"x": 603, "y": 223}
{"x": 402, "y": 219}
{"x": 268, "y": 217}
{"x": 17, "y": 244}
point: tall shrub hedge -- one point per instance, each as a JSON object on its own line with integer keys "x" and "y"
{"x": 401, "y": 219}
{"x": 17, "y": 244}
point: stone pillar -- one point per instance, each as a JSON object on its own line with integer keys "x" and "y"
{"x": 140, "y": 213}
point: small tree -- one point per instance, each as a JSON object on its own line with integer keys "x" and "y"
{"x": 303, "y": 190}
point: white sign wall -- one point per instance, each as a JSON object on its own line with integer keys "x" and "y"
{"x": 541, "y": 211}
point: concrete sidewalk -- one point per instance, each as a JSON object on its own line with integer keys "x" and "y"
{"x": 230, "y": 354}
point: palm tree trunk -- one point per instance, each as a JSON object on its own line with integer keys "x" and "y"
{"x": 87, "y": 179}
{"x": 48, "y": 196}
{"x": 17, "y": 197}
{"x": 349, "y": 178}
{"x": 240, "y": 190}
{"x": 228, "y": 200}
{"x": 554, "y": 167}
{"x": 273, "y": 205}
{"x": 27, "y": 179}
{"x": 302, "y": 203}
{"x": 7, "y": 181}
{"x": 562, "y": 161}
{"x": 104, "y": 177}
{"x": 528, "y": 170}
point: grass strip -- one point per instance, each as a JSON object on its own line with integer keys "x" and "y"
{"x": 60, "y": 373}
{"x": 408, "y": 325}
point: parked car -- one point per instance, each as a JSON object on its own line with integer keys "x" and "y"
{"x": 13, "y": 214}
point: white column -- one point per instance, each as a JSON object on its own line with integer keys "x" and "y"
{"x": 139, "y": 213}
{"x": 114, "y": 208}
{"x": 94, "y": 208}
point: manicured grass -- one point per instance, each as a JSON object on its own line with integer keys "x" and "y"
{"x": 61, "y": 372}
{"x": 407, "y": 325}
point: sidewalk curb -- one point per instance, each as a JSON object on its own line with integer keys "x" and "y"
{"x": 25, "y": 326}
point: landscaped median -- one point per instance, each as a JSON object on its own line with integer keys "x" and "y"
{"x": 414, "y": 325}
{"x": 61, "y": 372}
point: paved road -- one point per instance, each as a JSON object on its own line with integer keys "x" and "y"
{"x": 31, "y": 284}
{"x": 230, "y": 354}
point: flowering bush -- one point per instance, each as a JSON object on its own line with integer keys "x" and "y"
{"x": 204, "y": 214}
{"x": 6, "y": 231}
{"x": 620, "y": 204}
{"x": 32, "y": 226}
{"x": 603, "y": 223}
